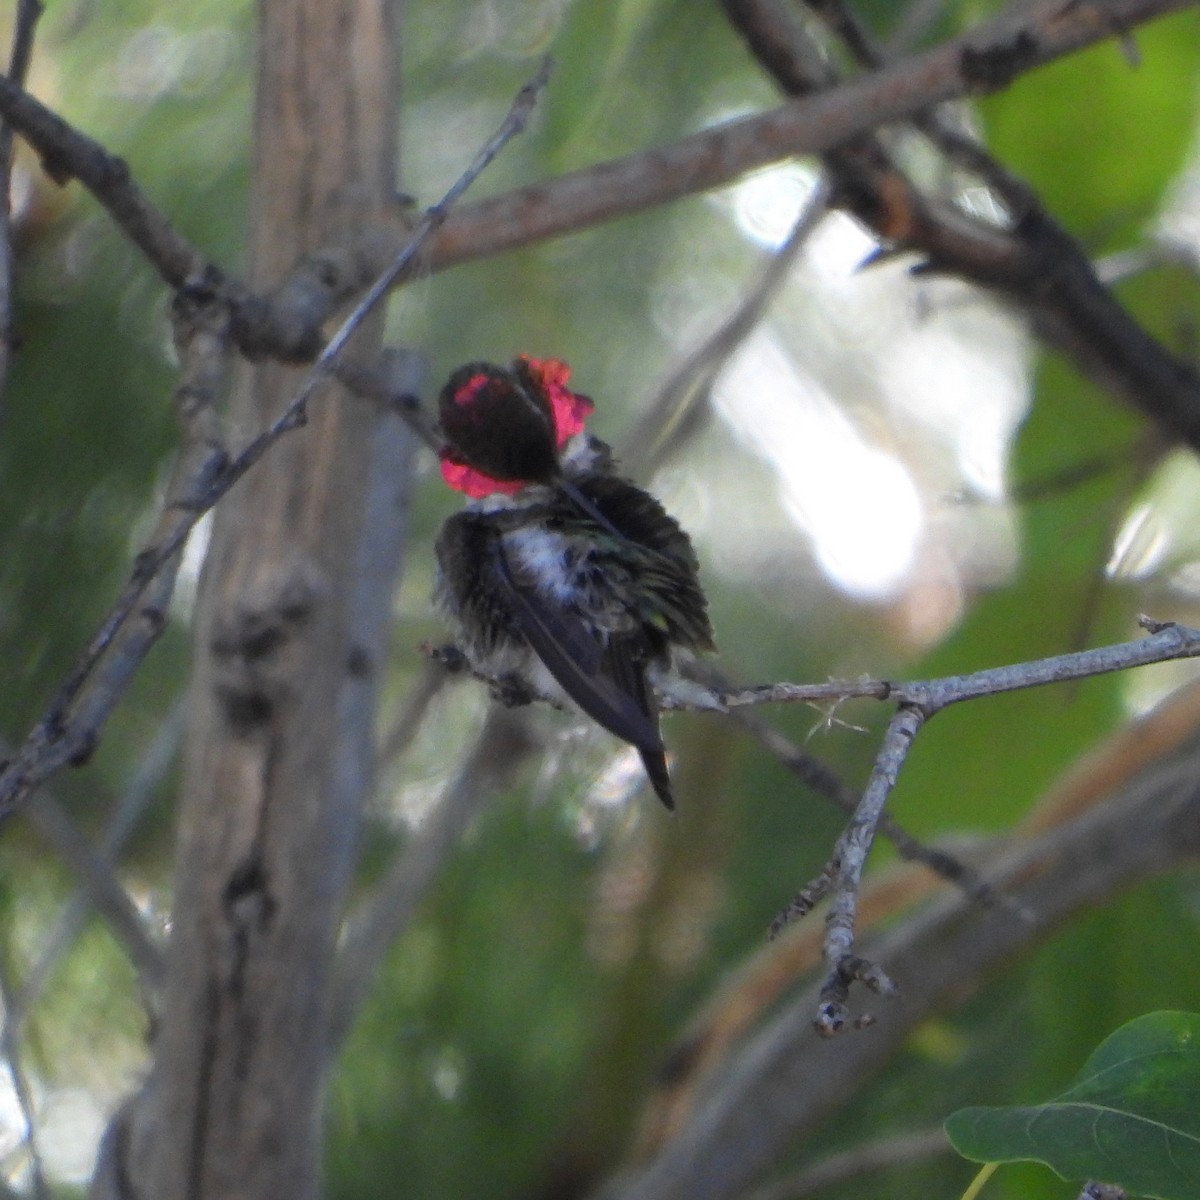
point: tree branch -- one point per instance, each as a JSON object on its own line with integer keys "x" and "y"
{"x": 199, "y": 485}
{"x": 842, "y": 875}
{"x": 1035, "y": 263}
{"x": 287, "y": 324}
{"x": 983, "y": 60}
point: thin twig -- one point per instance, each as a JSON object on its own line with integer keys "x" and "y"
{"x": 849, "y": 861}
{"x": 70, "y": 729}
{"x": 919, "y": 701}
{"x": 66, "y": 153}
{"x": 825, "y": 782}
{"x": 1166, "y": 642}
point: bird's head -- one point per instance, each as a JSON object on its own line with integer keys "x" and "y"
{"x": 505, "y": 426}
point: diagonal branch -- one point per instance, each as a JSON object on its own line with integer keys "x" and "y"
{"x": 287, "y": 325}
{"x": 983, "y": 60}
{"x": 1035, "y": 263}
{"x": 842, "y": 875}
{"x": 68, "y": 732}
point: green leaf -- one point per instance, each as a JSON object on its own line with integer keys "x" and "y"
{"x": 1131, "y": 1118}
{"x": 1063, "y": 126}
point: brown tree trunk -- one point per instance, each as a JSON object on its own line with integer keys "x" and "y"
{"x": 289, "y": 637}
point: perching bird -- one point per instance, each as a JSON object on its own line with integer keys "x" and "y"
{"x": 559, "y": 572}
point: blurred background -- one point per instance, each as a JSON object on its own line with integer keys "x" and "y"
{"x": 892, "y": 478}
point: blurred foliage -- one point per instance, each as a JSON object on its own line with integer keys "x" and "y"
{"x": 518, "y": 1024}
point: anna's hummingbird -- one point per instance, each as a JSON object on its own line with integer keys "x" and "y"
{"x": 560, "y": 575}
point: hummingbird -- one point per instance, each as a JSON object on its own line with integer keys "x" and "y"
{"x": 559, "y": 575}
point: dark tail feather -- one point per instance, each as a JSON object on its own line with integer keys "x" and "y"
{"x": 655, "y": 762}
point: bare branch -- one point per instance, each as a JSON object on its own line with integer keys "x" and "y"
{"x": 919, "y": 701}
{"x": 825, "y": 782}
{"x": 69, "y": 731}
{"x": 1165, "y": 643}
{"x": 984, "y": 59}
{"x": 842, "y": 875}
{"x": 130, "y": 808}
{"x": 849, "y": 861}
{"x": 1035, "y": 262}
{"x": 66, "y": 153}
{"x": 1072, "y": 309}
{"x": 55, "y": 741}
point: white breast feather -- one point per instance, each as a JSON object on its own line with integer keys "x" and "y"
{"x": 545, "y": 556}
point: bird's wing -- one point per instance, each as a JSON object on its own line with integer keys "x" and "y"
{"x": 657, "y": 551}
{"x": 607, "y": 681}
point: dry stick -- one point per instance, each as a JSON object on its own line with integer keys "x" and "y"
{"x": 783, "y": 1081}
{"x": 918, "y": 702}
{"x": 848, "y": 862}
{"x": 53, "y": 743}
{"x": 57, "y": 741}
{"x": 66, "y": 153}
{"x": 1166, "y": 641}
{"x": 825, "y": 782}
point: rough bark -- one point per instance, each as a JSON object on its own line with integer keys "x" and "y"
{"x": 289, "y": 638}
